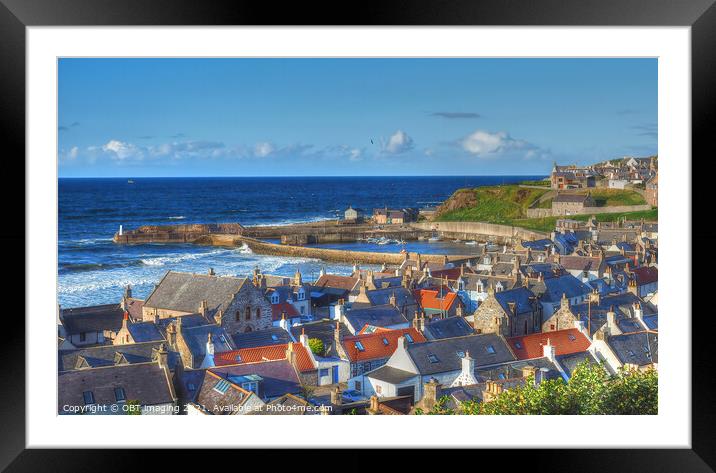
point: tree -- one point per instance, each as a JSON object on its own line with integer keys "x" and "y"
{"x": 316, "y": 346}
{"x": 134, "y": 408}
{"x": 590, "y": 391}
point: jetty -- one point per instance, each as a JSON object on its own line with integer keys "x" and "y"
{"x": 291, "y": 240}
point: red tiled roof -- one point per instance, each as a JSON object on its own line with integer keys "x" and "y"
{"x": 278, "y": 309}
{"x": 429, "y": 299}
{"x": 375, "y": 346}
{"x": 646, "y": 275}
{"x": 450, "y": 273}
{"x": 565, "y": 342}
{"x": 333, "y": 280}
{"x": 266, "y": 353}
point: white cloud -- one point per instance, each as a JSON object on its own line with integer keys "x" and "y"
{"x": 74, "y": 152}
{"x": 122, "y": 151}
{"x": 263, "y": 149}
{"x": 398, "y": 143}
{"x": 485, "y": 144}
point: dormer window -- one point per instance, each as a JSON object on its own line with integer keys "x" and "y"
{"x": 274, "y": 298}
{"x": 490, "y": 349}
{"x": 432, "y": 358}
{"x": 301, "y": 294}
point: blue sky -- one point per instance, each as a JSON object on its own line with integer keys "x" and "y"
{"x": 317, "y": 117}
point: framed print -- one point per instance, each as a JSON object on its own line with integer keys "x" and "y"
{"x": 427, "y": 226}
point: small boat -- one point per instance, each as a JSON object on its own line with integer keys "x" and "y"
{"x": 433, "y": 239}
{"x": 456, "y": 241}
{"x": 471, "y": 243}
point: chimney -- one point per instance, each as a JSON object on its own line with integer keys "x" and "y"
{"x": 337, "y": 335}
{"x": 291, "y": 354}
{"x": 125, "y": 317}
{"x": 549, "y": 351}
{"x": 392, "y": 301}
{"x": 612, "y": 327}
{"x": 374, "y": 405}
{"x": 564, "y": 303}
{"x": 638, "y": 313}
{"x": 171, "y": 335}
{"x": 303, "y": 338}
{"x": 322, "y": 272}
{"x": 203, "y": 307}
{"x": 338, "y": 311}
{"x": 491, "y": 391}
{"x": 283, "y": 323}
{"x": 211, "y": 272}
{"x": 416, "y": 321}
{"x": 297, "y": 279}
{"x": 432, "y": 391}
{"x": 445, "y": 260}
{"x": 336, "y": 396}
{"x": 402, "y": 342}
{"x": 418, "y": 262}
{"x": 163, "y": 356}
{"x": 528, "y": 371}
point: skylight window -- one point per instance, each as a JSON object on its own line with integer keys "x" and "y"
{"x": 408, "y": 338}
{"x": 518, "y": 345}
{"x": 432, "y": 358}
{"x": 274, "y": 337}
{"x": 631, "y": 353}
{"x": 501, "y": 376}
{"x": 221, "y": 386}
{"x": 385, "y": 341}
{"x": 490, "y": 349}
{"x": 571, "y": 337}
{"x": 359, "y": 346}
{"x": 461, "y": 354}
{"x": 238, "y": 358}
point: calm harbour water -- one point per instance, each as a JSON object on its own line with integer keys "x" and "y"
{"x": 93, "y": 270}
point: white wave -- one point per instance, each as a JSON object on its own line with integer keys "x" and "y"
{"x": 244, "y": 249}
{"x": 283, "y": 223}
{"x": 164, "y": 260}
{"x": 179, "y": 217}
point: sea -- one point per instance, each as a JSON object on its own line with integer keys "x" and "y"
{"x": 94, "y": 270}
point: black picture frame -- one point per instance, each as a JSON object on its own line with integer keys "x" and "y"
{"x": 700, "y": 15}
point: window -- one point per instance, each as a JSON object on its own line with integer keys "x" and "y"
{"x": 274, "y": 337}
{"x": 631, "y": 353}
{"x": 571, "y": 337}
{"x": 409, "y": 338}
{"x": 518, "y": 345}
{"x": 83, "y": 337}
{"x": 247, "y": 311}
{"x": 88, "y": 397}
{"x": 258, "y": 312}
{"x": 501, "y": 376}
{"x": 460, "y": 354}
{"x": 366, "y": 366}
{"x": 490, "y": 349}
{"x": 221, "y": 386}
{"x": 238, "y": 358}
{"x": 357, "y": 386}
{"x": 379, "y": 389}
{"x": 274, "y": 298}
{"x": 432, "y": 358}
{"x": 303, "y": 310}
{"x": 359, "y": 346}
{"x": 301, "y": 295}
{"x": 191, "y": 386}
{"x": 251, "y": 386}
{"x": 551, "y": 326}
{"x": 119, "y": 394}
{"x": 238, "y": 315}
{"x": 385, "y": 341}
{"x": 323, "y": 372}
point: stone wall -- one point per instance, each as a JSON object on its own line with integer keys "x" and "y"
{"x": 480, "y": 231}
{"x": 326, "y": 254}
{"x": 250, "y": 298}
{"x": 539, "y": 213}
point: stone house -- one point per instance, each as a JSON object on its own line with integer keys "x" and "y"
{"x": 236, "y": 304}
{"x": 509, "y": 313}
{"x": 92, "y": 325}
{"x": 297, "y": 295}
{"x": 352, "y": 215}
{"x": 651, "y": 193}
{"x": 108, "y": 389}
{"x": 571, "y": 204}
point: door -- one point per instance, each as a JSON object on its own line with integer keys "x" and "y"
{"x": 335, "y": 374}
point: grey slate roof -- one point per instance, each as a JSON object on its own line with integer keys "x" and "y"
{"x": 197, "y": 337}
{"x": 377, "y": 316}
{"x": 110, "y": 355}
{"x": 652, "y": 321}
{"x": 96, "y": 318}
{"x": 520, "y": 296}
{"x": 220, "y": 403}
{"x": 571, "y": 361}
{"x": 448, "y": 328}
{"x": 448, "y": 358}
{"x": 279, "y": 377}
{"x": 513, "y": 369}
{"x": 184, "y": 292}
{"x": 144, "y": 332}
{"x": 145, "y": 382}
{"x": 638, "y": 348}
{"x": 323, "y": 330}
{"x": 564, "y": 284}
{"x": 391, "y": 375}
{"x": 261, "y": 338}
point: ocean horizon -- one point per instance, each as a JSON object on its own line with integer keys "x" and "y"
{"x": 93, "y": 270}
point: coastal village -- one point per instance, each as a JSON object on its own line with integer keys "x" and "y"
{"x": 569, "y": 278}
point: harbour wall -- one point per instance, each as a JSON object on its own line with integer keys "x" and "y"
{"x": 480, "y": 231}
{"x": 325, "y": 254}
{"x": 538, "y": 213}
